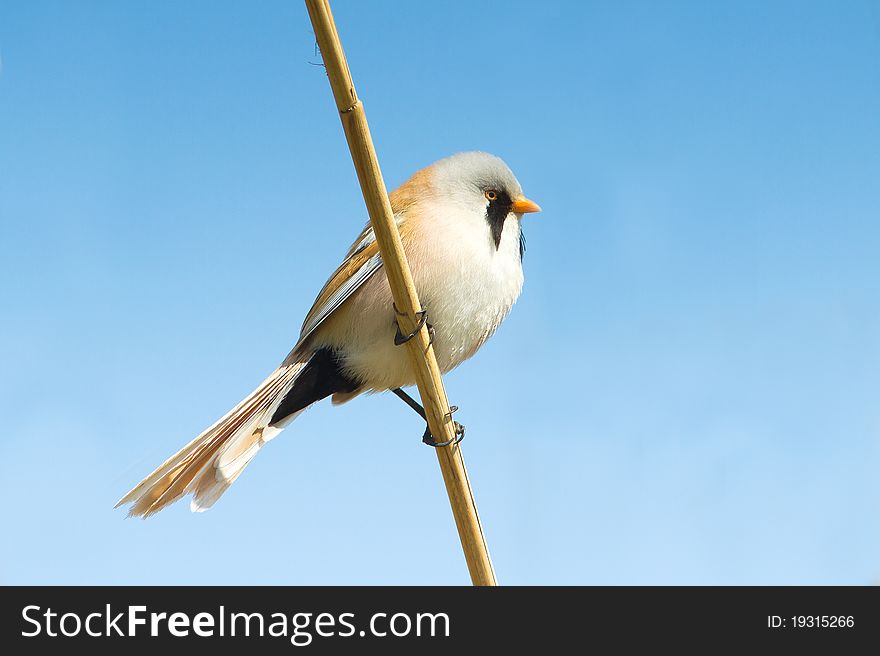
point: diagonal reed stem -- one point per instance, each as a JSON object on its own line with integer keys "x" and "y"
{"x": 424, "y": 363}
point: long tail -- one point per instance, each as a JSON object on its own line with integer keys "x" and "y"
{"x": 209, "y": 464}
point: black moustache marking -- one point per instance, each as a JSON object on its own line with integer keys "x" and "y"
{"x": 496, "y": 213}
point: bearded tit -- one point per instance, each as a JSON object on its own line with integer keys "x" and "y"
{"x": 459, "y": 221}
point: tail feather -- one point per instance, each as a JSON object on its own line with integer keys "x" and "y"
{"x": 214, "y": 481}
{"x": 210, "y": 463}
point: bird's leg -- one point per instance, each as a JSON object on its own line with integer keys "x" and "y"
{"x": 411, "y": 402}
{"x": 427, "y": 438}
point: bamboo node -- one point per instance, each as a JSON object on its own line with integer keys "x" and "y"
{"x": 357, "y": 104}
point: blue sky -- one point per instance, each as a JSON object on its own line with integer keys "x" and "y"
{"x": 686, "y": 392}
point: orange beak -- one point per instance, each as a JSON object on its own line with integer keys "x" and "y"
{"x": 523, "y": 205}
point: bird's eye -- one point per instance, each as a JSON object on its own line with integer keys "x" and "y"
{"x": 492, "y": 195}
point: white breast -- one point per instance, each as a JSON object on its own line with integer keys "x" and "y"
{"x": 466, "y": 284}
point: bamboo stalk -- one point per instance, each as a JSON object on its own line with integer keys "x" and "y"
{"x": 430, "y": 384}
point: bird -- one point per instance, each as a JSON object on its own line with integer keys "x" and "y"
{"x": 459, "y": 221}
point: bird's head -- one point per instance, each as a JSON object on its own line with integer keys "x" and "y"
{"x": 478, "y": 183}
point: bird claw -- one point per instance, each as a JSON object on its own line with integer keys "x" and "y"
{"x": 400, "y": 338}
{"x": 428, "y": 438}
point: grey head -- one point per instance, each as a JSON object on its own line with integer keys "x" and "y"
{"x": 485, "y": 183}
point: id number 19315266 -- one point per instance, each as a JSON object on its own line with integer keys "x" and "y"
{"x": 811, "y": 622}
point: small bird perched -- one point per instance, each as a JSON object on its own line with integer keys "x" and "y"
{"x": 459, "y": 221}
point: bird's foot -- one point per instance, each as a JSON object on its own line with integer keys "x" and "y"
{"x": 400, "y": 338}
{"x": 428, "y": 438}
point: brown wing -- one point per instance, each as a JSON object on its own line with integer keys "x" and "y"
{"x": 363, "y": 260}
